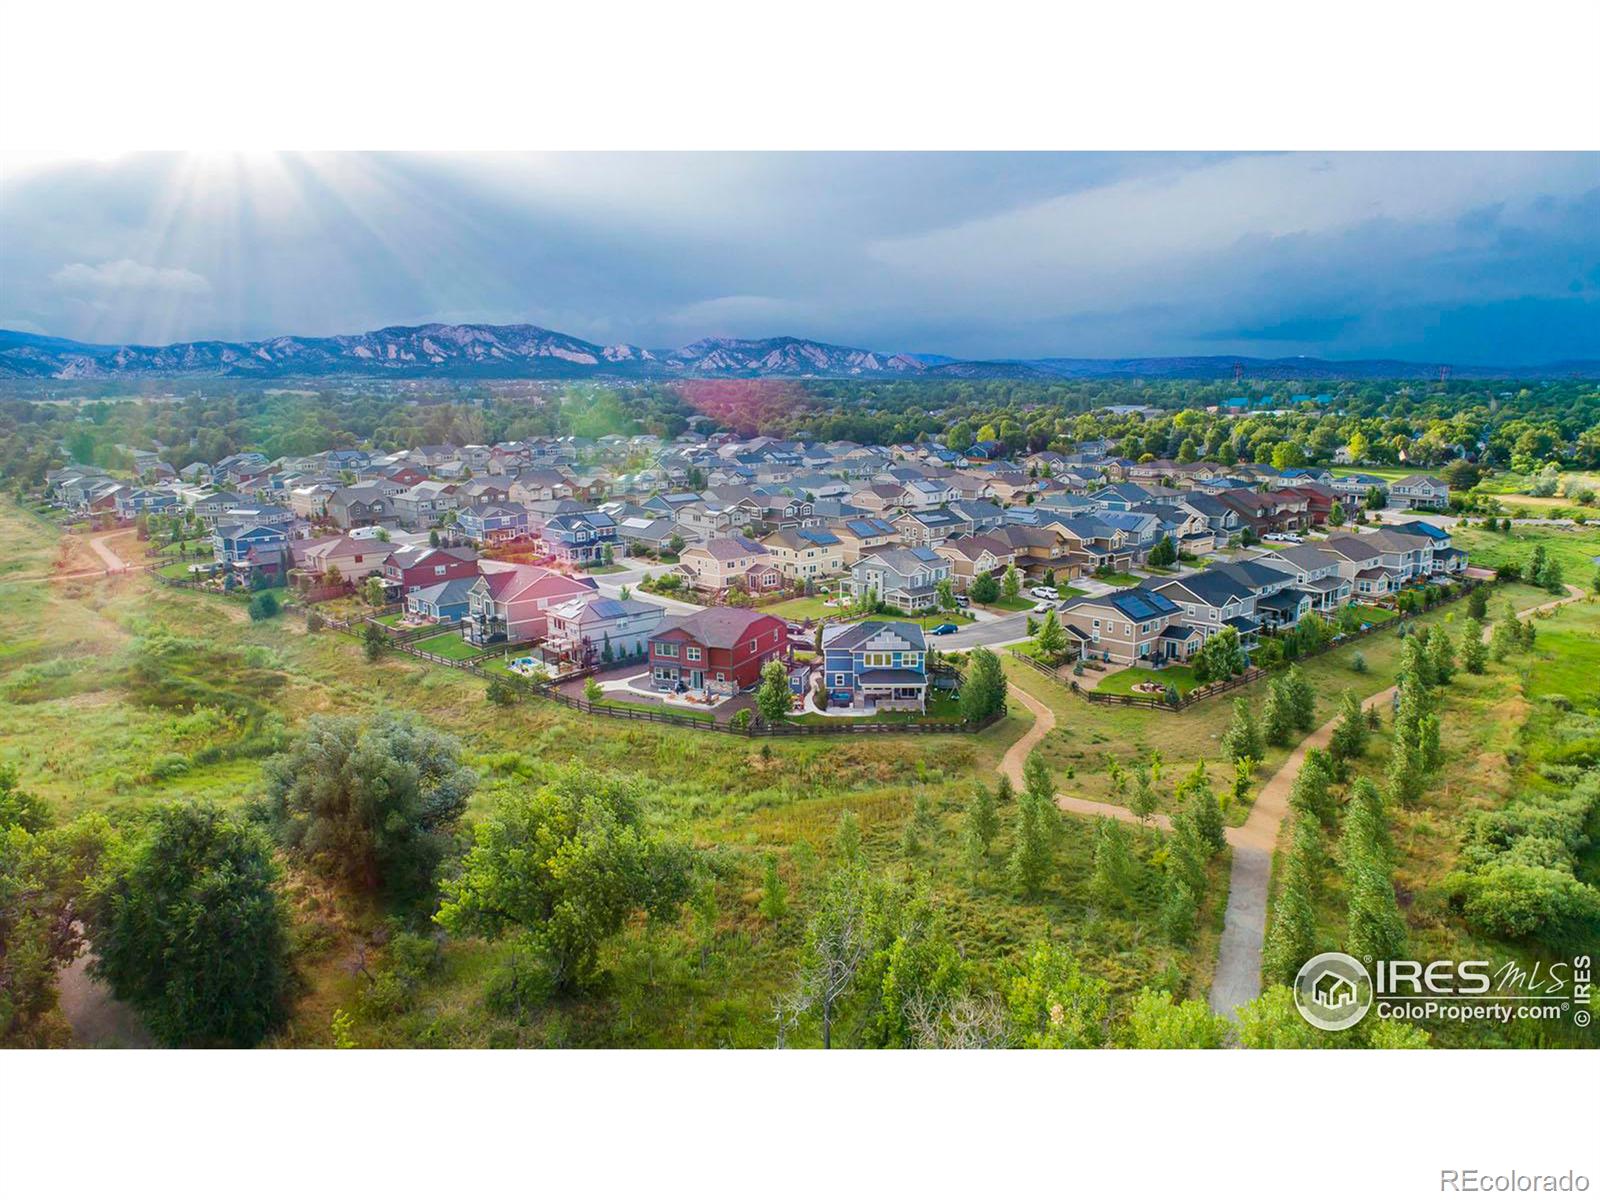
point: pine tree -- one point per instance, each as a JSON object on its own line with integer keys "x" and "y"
{"x": 1179, "y": 907}
{"x": 1441, "y": 654}
{"x": 1030, "y": 853}
{"x": 1302, "y": 699}
{"x": 1349, "y": 739}
{"x": 1474, "y": 654}
{"x": 1036, "y": 777}
{"x": 1143, "y": 802}
{"x": 847, "y": 837}
{"x": 1478, "y": 603}
{"x": 1429, "y": 751}
{"x": 774, "y": 897}
{"x": 1277, "y": 721}
{"x": 1311, "y": 796}
{"x": 982, "y": 822}
{"x": 1366, "y": 828}
{"x": 1375, "y": 928}
{"x": 1115, "y": 876}
{"x": 1243, "y": 739}
{"x": 1207, "y": 818}
{"x": 1292, "y": 934}
{"x": 1403, "y": 777}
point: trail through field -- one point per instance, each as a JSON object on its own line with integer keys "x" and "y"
{"x": 97, "y": 1017}
{"x": 1237, "y": 979}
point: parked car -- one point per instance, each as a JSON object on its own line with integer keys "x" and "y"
{"x": 963, "y": 602}
{"x": 941, "y": 630}
{"x": 1043, "y": 606}
{"x": 1044, "y": 593}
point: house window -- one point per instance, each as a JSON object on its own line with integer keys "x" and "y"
{"x": 693, "y": 654}
{"x": 877, "y": 659}
{"x": 667, "y": 649}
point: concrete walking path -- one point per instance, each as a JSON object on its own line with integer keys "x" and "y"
{"x": 1237, "y": 979}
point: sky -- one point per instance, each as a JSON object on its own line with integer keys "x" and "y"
{"x": 1464, "y": 258}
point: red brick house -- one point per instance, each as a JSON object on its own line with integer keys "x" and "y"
{"x": 719, "y": 649}
{"x": 423, "y": 566}
{"x": 511, "y": 602}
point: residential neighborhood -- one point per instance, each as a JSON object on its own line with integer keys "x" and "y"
{"x": 587, "y": 555}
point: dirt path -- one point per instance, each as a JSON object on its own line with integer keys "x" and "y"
{"x": 1237, "y": 979}
{"x": 113, "y": 561}
{"x": 1044, "y": 720}
{"x": 98, "y": 1018}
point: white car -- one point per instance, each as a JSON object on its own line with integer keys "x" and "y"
{"x": 1044, "y": 593}
{"x": 1043, "y": 606}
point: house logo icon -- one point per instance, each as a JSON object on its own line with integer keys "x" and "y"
{"x": 1333, "y": 991}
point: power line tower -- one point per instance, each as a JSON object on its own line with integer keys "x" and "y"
{"x": 1238, "y": 372}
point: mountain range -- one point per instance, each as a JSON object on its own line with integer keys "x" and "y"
{"x": 529, "y": 352}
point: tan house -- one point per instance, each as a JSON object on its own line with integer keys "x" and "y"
{"x": 721, "y": 562}
{"x": 356, "y": 558}
{"x": 977, "y": 554}
{"x": 863, "y": 535}
{"x": 1128, "y": 627}
{"x": 805, "y": 554}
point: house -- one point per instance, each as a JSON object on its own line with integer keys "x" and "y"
{"x": 491, "y": 522}
{"x": 596, "y": 630}
{"x": 426, "y": 503}
{"x": 1315, "y": 571}
{"x": 903, "y": 577}
{"x": 863, "y": 535}
{"x": 721, "y": 562}
{"x": 361, "y": 505}
{"x": 448, "y": 601}
{"x": 415, "y": 567}
{"x": 354, "y": 558}
{"x": 133, "y": 502}
{"x": 876, "y": 665}
{"x": 720, "y": 650}
{"x": 929, "y": 527}
{"x": 974, "y": 555}
{"x": 1421, "y": 491}
{"x": 578, "y": 538}
{"x": 1127, "y": 627}
{"x": 1354, "y": 488}
{"x": 244, "y": 548}
{"x": 310, "y": 501}
{"x": 804, "y": 554}
{"x": 512, "y": 602}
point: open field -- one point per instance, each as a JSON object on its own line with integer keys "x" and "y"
{"x": 1575, "y": 549}
{"x": 115, "y": 693}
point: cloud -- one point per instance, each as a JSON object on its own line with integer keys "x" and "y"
{"x": 125, "y": 275}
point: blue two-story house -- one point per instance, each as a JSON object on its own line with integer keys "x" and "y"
{"x": 243, "y": 548}
{"x": 490, "y": 522}
{"x": 876, "y": 665}
{"x": 579, "y": 539}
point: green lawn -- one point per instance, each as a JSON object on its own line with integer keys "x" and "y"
{"x": 1120, "y": 579}
{"x": 941, "y": 708}
{"x": 449, "y": 645}
{"x": 803, "y": 608}
{"x": 391, "y": 619}
{"x": 1122, "y": 682}
{"x": 1020, "y": 604}
{"x": 1373, "y": 615}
